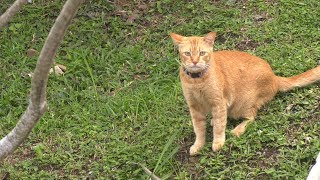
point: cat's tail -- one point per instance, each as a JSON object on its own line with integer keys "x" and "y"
{"x": 301, "y": 80}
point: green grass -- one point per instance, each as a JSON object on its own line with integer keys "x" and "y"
{"x": 120, "y": 102}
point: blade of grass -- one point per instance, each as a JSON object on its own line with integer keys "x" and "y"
{"x": 91, "y": 76}
{"x": 165, "y": 149}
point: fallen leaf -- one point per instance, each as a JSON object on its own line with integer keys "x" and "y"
{"x": 62, "y": 67}
{"x": 30, "y": 75}
{"x": 260, "y": 17}
{"x": 32, "y": 53}
{"x": 307, "y": 139}
{"x": 289, "y": 107}
{"x": 143, "y": 7}
{"x": 132, "y": 17}
{"x": 57, "y": 70}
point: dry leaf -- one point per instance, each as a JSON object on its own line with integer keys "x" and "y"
{"x": 62, "y": 67}
{"x": 58, "y": 70}
{"x": 132, "y": 17}
{"x": 143, "y": 7}
{"x": 260, "y": 17}
{"x": 30, "y": 75}
{"x": 32, "y": 53}
{"x": 289, "y": 107}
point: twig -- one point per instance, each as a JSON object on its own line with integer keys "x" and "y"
{"x": 153, "y": 176}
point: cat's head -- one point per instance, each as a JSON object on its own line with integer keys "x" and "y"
{"x": 194, "y": 51}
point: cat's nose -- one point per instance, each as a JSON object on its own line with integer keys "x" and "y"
{"x": 195, "y": 62}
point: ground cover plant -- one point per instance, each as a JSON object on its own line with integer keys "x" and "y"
{"x": 120, "y": 102}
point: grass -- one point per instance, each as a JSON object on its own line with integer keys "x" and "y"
{"x": 120, "y": 103}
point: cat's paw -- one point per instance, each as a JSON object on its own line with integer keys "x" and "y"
{"x": 194, "y": 149}
{"x": 237, "y": 131}
{"x": 216, "y": 146}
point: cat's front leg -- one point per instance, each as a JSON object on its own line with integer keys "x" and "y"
{"x": 219, "y": 122}
{"x": 199, "y": 127}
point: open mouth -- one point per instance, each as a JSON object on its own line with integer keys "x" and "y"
{"x": 195, "y": 68}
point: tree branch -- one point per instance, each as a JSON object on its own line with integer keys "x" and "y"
{"x": 11, "y": 11}
{"x": 37, "y": 104}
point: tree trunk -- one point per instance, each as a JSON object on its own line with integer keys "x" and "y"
{"x": 7, "y": 16}
{"x": 37, "y": 105}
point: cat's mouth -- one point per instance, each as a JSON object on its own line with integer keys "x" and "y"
{"x": 195, "y": 71}
{"x": 195, "y": 68}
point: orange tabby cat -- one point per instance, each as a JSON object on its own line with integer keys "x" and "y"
{"x": 227, "y": 83}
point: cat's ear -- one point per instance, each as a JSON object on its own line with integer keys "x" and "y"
{"x": 210, "y": 37}
{"x": 177, "y": 39}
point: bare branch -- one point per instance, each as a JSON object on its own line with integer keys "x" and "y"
{"x": 11, "y": 11}
{"x": 37, "y": 105}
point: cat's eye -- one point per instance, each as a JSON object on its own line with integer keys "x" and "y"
{"x": 187, "y": 53}
{"x": 202, "y": 53}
